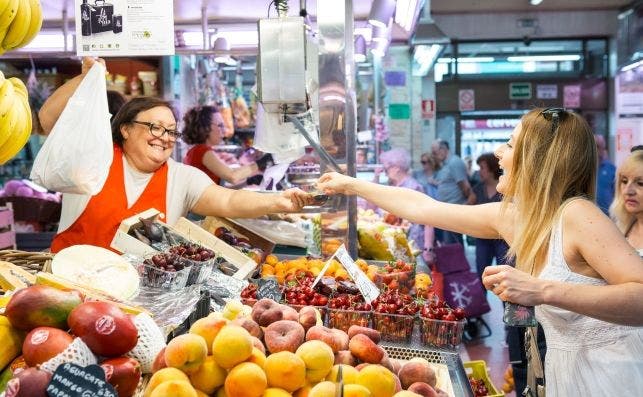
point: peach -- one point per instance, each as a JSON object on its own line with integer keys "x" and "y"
{"x": 275, "y": 392}
{"x": 395, "y": 364}
{"x": 361, "y": 366}
{"x": 266, "y": 311}
{"x": 345, "y": 357}
{"x": 257, "y": 357}
{"x": 406, "y": 393}
{"x": 285, "y": 370}
{"x": 303, "y": 391}
{"x": 186, "y": 352}
{"x": 199, "y": 393}
{"x": 423, "y": 389}
{"x": 289, "y": 313}
{"x": 307, "y": 317}
{"x": 164, "y": 375}
{"x": 356, "y": 391}
{"x": 250, "y": 325}
{"x": 323, "y": 389}
{"x": 362, "y": 347}
{"x": 174, "y": 388}
{"x": 209, "y": 376}
{"x": 159, "y": 361}
{"x": 246, "y": 380}
{"x": 349, "y": 374}
{"x": 208, "y": 328}
{"x": 221, "y": 392}
{"x": 417, "y": 371}
{"x": 398, "y": 384}
{"x": 319, "y": 359}
{"x": 256, "y": 342}
{"x": 335, "y": 338}
{"x": 387, "y": 363}
{"x": 379, "y": 380}
{"x": 284, "y": 335}
{"x": 232, "y": 346}
{"x": 373, "y": 334}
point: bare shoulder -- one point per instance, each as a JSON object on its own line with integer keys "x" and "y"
{"x": 583, "y": 213}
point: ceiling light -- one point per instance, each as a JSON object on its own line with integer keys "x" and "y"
{"x": 535, "y": 2}
{"x": 405, "y": 13}
{"x": 381, "y": 12}
{"x": 424, "y": 57}
{"x": 221, "y": 50}
{"x": 467, "y": 60}
{"x": 360, "y": 49}
{"x": 544, "y": 58}
{"x": 366, "y": 32}
{"x": 427, "y": 32}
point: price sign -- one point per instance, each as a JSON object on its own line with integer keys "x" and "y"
{"x": 366, "y": 286}
{"x": 71, "y": 380}
{"x": 268, "y": 288}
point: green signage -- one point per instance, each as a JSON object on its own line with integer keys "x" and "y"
{"x": 399, "y": 111}
{"x": 519, "y": 90}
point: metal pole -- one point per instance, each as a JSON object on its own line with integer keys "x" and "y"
{"x": 65, "y": 27}
{"x": 204, "y": 26}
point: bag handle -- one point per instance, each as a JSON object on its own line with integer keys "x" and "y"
{"x": 535, "y": 371}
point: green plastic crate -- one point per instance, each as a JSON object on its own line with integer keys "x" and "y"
{"x": 478, "y": 369}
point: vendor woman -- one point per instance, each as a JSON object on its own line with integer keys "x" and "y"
{"x": 143, "y": 176}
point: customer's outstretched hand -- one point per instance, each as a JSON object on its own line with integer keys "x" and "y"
{"x": 335, "y": 183}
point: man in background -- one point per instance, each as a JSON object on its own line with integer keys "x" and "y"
{"x": 453, "y": 184}
{"x": 606, "y": 175}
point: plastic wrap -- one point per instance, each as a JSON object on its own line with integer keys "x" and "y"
{"x": 222, "y": 287}
{"x": 168, "y": 308}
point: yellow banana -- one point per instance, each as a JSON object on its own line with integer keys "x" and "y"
{"x": 19, "y": 26}
{"x": 7, "y": 92}
{"x": 34, "y": 24}
{"x": 11, "y": 342}
{"x": 6, "y": 17}
{"x": 19, "y": 87}
{"x": 22, "y": 133}
{"x": 4, "y": 4}
{"x": 14, "y": 120}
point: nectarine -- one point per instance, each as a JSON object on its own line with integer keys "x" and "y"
{"x": 232, "y": 345}
{"x": 246, "y": 380}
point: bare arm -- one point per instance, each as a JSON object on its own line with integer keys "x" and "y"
{"x": 55, "y": 104}
{"x": 481, "y": 221}
{"x": 219, "y": 201}
{"x": 233, "y": 175}
{"x": 593, "y": 243}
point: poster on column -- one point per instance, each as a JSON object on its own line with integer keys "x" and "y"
{"x": 124, "y": 27}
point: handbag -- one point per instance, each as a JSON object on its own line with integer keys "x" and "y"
{"x": 535, "y": 371}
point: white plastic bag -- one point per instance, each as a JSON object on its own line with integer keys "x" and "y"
{"x": 78, "y": 152}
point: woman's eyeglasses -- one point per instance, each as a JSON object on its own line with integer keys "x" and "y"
{"x": 158, "y": 131}
{"x": 554, "y": 115}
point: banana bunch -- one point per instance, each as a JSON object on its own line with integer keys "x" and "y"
{"x": 20, "y": 22}
{"x": 15, "y": 117}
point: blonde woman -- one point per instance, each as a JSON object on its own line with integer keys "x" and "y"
{"x": 573, "y": 264}
{"x": 627, "y": 207}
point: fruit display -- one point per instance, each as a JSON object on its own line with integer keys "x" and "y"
{"x": 441, "y": 326}
{"x": 220, "y": 357}
{"x": 193, "y": 252}
{"x": 478, "y": 387}
{"x": 182, "y": 264}
{"x": 15, "y": 112}
{"x": 382, "y": 242}
{"x": 394, "y": 315}
{"x": 396, "y": 275}
{"x": 20, "y": 22}
{"x": 239, "y": 242}
{"x": 345, "y": 310}
{"x": 288, "y": 269}
{"x": 41, "y": 305}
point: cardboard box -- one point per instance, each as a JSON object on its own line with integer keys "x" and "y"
{"x": 185, "y": 228}
{"x": 211, "y": 223}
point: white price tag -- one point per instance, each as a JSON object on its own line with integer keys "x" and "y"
{"x": 366, "y": 286}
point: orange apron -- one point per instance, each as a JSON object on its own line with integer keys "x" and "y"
{"x": 105, "y": 211}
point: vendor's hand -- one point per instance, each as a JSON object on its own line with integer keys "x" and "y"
{"x": 88, "y": 62}
{"x": 512, "y": 285}
{"x": 334, "y": 183}
{"x": 293, "y": 200}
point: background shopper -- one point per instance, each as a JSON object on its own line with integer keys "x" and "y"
{"x": 627, "y": 207}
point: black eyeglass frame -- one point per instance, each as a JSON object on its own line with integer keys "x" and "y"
{"x": 554, "y": 115}
{"x": 173, "y": 134}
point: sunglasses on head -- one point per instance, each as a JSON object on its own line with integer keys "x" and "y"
{"x": 636, "y": 148}
{"x": 554, "y": 115}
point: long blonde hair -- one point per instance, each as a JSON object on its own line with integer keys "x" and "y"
{"x": 549, "y": 169}
{"x": 621, "y": 217}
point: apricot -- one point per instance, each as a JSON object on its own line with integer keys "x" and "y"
{"x": 246, "y": 380}
{"x": 208, "y": 328}
{"x": 318, "y": 357}
{"x": 303, "y": 391}
{"x": 257, "y": 357}
{"x": 174, "y": 388}
{"x": 275, "y": 392}
{"x": 379, "y": 380}
{"x": 209, "y": 376}
{"x": 356, "y": 391}
{"x": 199, "y": 393}
{"x": 232, "y": 345}
{"x": 186, "y": 352}
{"x": 164, "y": 375}
{"x": 323, "y": 389}
{"x": 221, "y": 392}
{"x": 349, "y": 374}
{"x": 285, "y": 370}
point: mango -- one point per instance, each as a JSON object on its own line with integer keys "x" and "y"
{"x": 41, "y": 306}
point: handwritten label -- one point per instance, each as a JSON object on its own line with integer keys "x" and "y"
{"x": 268, "y": 288}
{"x": 71, "y": 380}
{"x": 366, "y": 286}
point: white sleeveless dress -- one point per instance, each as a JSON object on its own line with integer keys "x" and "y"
{"x": 586, "y": 356}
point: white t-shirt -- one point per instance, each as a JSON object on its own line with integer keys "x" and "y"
{"x": 185, "y": 185}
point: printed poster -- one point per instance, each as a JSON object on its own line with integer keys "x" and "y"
{"x": 124, "y": 27}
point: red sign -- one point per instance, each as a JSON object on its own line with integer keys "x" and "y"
{"x": 428, "y": 108}
{"x": 571, "y": 96}
{"x": 466, "y": 100}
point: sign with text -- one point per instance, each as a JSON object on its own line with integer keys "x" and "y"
{"x": 71, "y": 380}
{"x": 399, "y": 111}
{"x": 546, "y": 91}
{"x": 428, "y": 108}
{"x": 466, "y": 100}
{"x": 519, "y": 90}
{"x": 571, "y": 96}
{"x": 268, "y": 288}
{"x": 124, "y": 27}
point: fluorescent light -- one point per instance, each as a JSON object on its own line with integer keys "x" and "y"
{"x": 467, "y": 60}
{"x": 632, "y": 66}
{"x": 365, "y": 32}
{"x": 236, "y": 38}
{"x": 48, "y": 41}
{"x": 424, "y": 56}
{"x": 535, "y": 2}
{"x": 544, "y": 58}
{"x": 405, "y": 13}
